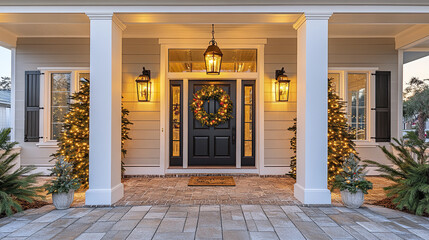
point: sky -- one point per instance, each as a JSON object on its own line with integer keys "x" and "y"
{"x": 418, "y": 68}
{"x": 4, "y": 62}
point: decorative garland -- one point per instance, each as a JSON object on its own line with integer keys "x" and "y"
{"x": 224, "y": 113}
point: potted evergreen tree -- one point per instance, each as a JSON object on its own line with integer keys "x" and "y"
{"x": 352, "y": 183}
{"x": 62, "y": 187}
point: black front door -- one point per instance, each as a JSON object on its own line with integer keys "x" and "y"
{"x": 212, "y": 146}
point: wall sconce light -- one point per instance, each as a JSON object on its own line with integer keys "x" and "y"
{"x": 143, "y": 86}
{"x": 282, "y": 86}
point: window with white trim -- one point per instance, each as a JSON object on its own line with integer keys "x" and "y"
{"x": 353, "y": 86}
{"x": 56, "y": 88}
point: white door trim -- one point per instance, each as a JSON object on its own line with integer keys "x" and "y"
{"x": 165, "y": 77}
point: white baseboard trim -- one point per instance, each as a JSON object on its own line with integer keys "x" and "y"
{"x": 274, "y": 170}
{"x": 141, "y": 170}
{"x": 44, "y": 170}
{"x": 95, "y": 197}
{"x": 372, "y": 171}
{"x": 312, "y": 196}
{"x": 211, "y": 171}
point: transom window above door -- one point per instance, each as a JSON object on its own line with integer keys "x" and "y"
{"x": 192, "y": 60}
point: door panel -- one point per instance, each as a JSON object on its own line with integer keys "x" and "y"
{"x": 212, "y": 146}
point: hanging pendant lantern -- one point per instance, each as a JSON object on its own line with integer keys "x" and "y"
{"x": 213, "y": 56}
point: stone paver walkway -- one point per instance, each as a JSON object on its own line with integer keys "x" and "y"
{"x": 214, "y": 222}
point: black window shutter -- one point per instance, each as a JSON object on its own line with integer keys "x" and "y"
{"x": 32, "y": 100}
{"x": 382, "y": 106}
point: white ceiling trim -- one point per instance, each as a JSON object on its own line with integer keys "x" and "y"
{"x": 221, "y": 9}
{"x": 7, "y": 38}
{"x": 411, "y": 37}
{"x": 218, "y": 40}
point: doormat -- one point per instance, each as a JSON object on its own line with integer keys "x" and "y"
{"x": 211, "y": 181}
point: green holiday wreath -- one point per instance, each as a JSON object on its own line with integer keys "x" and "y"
{"x": 208, "y": 92}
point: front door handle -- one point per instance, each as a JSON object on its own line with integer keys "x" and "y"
{"x": 233, "y": 136}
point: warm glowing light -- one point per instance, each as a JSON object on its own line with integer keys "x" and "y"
{"x": 144, "y": 86}
{"x": 213, "y": 56}
{"x": 282, "y": 86}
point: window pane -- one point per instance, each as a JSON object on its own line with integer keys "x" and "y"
{"x": 176, "y": 148}
{"x": 60, "y": 93}
{"x": 84, "y": 75}
{"x": 176, "y": 132}
{"x": 248, "y": 95}
{"x": 192, "y": 60}
{"x": 247, "y": 131}
{"x": 176, "y": 95}
{"x": 55, "y": 131}
{"x": 357, "y": 104}
{"x": 248, "y": 149}
{"x": 248, "y": 113}
{"x": 335, "y": 81}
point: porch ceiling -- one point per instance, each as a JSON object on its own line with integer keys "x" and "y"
{"x": 228, "y": 25}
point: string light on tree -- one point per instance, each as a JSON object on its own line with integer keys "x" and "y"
{"x": 73, "y": 141}
{"x": 340, "y": 144}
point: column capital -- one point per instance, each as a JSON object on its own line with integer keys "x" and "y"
{"x": 106, "y": 16}
{"x": 311, "y": 16}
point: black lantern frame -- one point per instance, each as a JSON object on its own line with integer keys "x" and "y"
{"x": 282, "y": 86}
{"x": 143, "y": 85}
{"x": 213, "y": 57}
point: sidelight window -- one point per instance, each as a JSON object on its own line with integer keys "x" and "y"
{"x": 248, "y": 120}
{"x": 176, "y": 123}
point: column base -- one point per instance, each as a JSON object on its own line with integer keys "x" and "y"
{"x": 104, "y": 196}
{"x": 312, "y": 196}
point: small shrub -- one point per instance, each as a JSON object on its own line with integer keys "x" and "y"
{"x": 63, "y": 181}
{"x": 410, "y": 172}
{"x": 17, "y": 186}
{"x": 352, "y": 176}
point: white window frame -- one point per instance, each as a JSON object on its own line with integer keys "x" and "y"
{"x": 370, "y": 89}
{"x": 45, "y": 100}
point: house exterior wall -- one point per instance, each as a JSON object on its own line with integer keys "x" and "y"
{"x": 32, "y": 53}
{"x": 279, "y": 115}
{"x": 369, "y": 52}
{"x": 343, "y": 53}
{"x": 144, "y": 148}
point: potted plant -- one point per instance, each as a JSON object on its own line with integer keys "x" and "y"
{"x": 352, "y": 183}
{"x": 62, "y": 187}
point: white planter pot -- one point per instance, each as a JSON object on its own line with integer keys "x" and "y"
{"x": 352, "y": 200}
{"x": 63, "y": 200}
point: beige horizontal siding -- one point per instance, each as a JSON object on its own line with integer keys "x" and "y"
{"x": 32, "y": 53}
{"x": 279, "y": 115}
{"x": 143, "y": 149}
{"x": 362, "y": 52}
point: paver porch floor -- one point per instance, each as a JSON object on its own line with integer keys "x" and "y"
{"x": 214, "y": 222}
{"x": 248, "y": 190}
{"x": 257, "y": 208}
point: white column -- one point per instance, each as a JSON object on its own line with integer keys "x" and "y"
{"x": 105, "y": 185}
{"x": 312, "y": 109}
